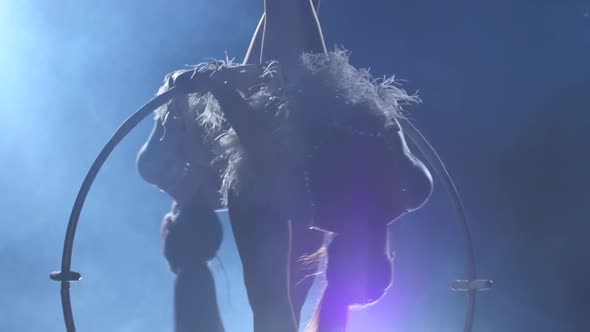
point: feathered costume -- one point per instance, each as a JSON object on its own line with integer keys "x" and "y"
{"x": 330, "y": 139}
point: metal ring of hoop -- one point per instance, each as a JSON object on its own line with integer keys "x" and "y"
{"x": 65, "y": 276}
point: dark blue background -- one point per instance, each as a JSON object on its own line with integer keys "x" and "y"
{"x": 506, "y": 90}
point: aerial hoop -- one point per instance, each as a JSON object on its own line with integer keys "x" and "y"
{"x": 66, "y": 276}
{"x": 472, "y": 285}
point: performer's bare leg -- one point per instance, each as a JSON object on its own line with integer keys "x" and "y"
{"x": 272, "y": 36}
{"x": 359, "y": 271}
{"x": 264, "y": 243}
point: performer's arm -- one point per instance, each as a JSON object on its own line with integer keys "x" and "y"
{"x": 284, "y": 43}
{"x": 255, "y": 48}
{"x": 253, "y": 127}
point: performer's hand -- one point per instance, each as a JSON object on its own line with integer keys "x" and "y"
{"x": 190, "y": 81}
{"x": 241, "y": 77}
{"x": 204, "y": 78}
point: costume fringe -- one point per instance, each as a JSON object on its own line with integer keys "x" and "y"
{"x": 325, "y": 92}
